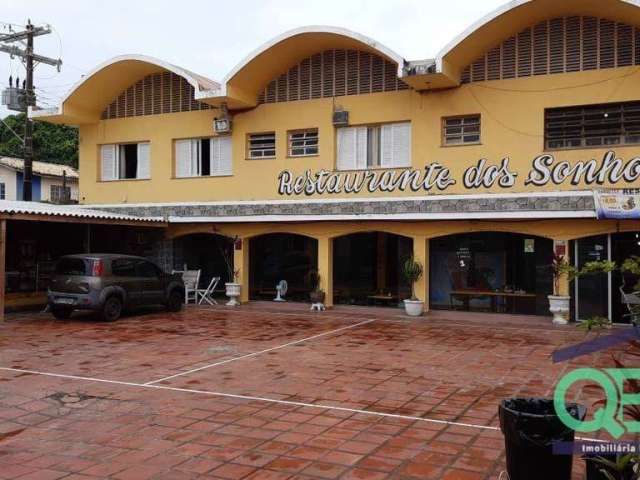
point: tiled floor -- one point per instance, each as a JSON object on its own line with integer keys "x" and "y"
{"x": 266, "y": 393}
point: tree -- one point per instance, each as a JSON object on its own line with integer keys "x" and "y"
{"x": 51, "y": 143}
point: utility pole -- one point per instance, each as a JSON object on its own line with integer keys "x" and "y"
{"x": 22, "y": 98}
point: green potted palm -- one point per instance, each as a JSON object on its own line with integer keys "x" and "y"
{"x": 559, "y": 305}
{"x": 412, "y": 271}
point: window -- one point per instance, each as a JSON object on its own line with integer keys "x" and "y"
{"x": 381, "y": 146}
{"x": 203, "y": 157}
{"x": 126, "y": 161}
{"x": 59, "y": 194}
{"x": 3, "y": 191}
{"x": 71, "y": 266}
{"x": 262, "y": 145}
{"x": 124, "y": 267}
{"x": 303, "y": 143}
{"x": 461, "y": 130}
{"x": 147, "y": 270}
{"x": 592, "y": 125}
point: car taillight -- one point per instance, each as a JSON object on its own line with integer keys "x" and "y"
{"x": 98, "y": 268}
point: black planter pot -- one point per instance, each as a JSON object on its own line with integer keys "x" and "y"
{"x": 531, "y": 427}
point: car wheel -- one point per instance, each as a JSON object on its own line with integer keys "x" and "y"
{"x": 61, "y": 313}
{"x": 111, "y": 309}
{"x": 174, "y": 303}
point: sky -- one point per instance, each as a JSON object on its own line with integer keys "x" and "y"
{"x": 211, "y": 37}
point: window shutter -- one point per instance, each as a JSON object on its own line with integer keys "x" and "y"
{"x": 109, "y": 163}
{"x": 401, "y": 144}
{"x": 221, "y": 158}
{"x": 194, "y": 162}
{"x": 347, "y": 148}
{"x": 183, "y": 158}
{"x": 144, "y": 161}
{"x": 361, "y": 147}
{"x": 386, "y": 146}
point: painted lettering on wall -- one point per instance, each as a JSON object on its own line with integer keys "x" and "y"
{"x": 545, "y": 169}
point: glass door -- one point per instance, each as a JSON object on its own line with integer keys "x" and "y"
{"x": 592, "y": 292}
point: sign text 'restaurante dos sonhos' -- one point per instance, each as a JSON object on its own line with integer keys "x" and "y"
{"x": 544, "y": 169}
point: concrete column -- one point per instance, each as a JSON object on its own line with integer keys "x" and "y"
{"x": 325, "y": 268}
{"x": 421, "y": 254}
{"x": 241, "y": 263}
{"x": 3, "y": 248}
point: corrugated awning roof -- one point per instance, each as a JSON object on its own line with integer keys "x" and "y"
{"x": 10, "y": 207}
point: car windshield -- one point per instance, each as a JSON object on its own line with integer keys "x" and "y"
{"x": 71, "y": 266}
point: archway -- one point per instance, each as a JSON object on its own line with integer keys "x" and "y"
{"x": 281, "y": 256}
{"x": 367, "y": 269}
{"x": 491, "y": 272}
{"x": 212, "y": 254}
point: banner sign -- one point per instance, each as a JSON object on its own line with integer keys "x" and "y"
{"x": 435, "y": 177}
{"x": 618, "y": 204}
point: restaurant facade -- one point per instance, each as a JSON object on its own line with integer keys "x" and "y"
{"x": 323, "y": 150}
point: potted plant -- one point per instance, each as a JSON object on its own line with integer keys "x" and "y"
{"x": 316, "y": 295}
{"x": 559, "y": 305}
{"x": 412, "y": 271}
{"x": 232, "y": 287}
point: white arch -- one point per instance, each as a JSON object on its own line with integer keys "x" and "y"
{"x": 381, "y": 49}
{"x": 202, "y": 86}
{"x": 498, "y": 12}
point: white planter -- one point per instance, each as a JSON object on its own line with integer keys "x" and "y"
{"x": 414, "y": 308}
{"x": 559, "y": 306}
{"x": 233, "y": 292}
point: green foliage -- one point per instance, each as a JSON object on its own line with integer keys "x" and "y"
{"x": 412, "y": 271}
{"x": 561, "y": 266}
{"x": 594, "y": 323}
{"x": 51, "y": 143}
{"x": 632, "y": 266}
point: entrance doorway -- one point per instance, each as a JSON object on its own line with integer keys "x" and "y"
{"x": 599, "y": 295}
{"x": 282, "y": 256}
{"x": 491, "y": 272}
{"x": 367, "y": 269}
{"x": 205, "y": 252}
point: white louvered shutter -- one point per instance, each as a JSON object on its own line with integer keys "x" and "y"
{"x": 194, "y": 164}
{"x": 401, "y": 144}
{"x": 143, "y": 169}
{"x": 183, "y": 158}
{"x": 361, "y": 147}
{"x": 347, "y": 148}
{"x": 109, "y": 162}
{"x": 386, "y": 146}
{"x": 221, "y": 158}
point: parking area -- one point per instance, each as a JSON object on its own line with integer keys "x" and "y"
{"x": 258, "y": 393}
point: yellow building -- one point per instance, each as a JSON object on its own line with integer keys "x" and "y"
{"x": 325, "y": 150}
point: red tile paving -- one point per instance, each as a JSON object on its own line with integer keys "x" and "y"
{"x": 300, "y": 409}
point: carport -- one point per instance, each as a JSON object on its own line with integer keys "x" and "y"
{"x": 33, "y": 235}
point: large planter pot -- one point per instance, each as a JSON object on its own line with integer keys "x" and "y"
{"x": 233, "y": 292}
{"x": 559, "y": 306}
{"x": 414, "y": 308}
{"x": 531, "y": 427}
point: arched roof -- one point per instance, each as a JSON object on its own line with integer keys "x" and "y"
{"x": 516, "y": 15}
{"x": 279, "y": 54}
{"x": 88, "y": 97}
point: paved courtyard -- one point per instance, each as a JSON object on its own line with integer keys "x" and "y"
{"x": 259, "y": 394}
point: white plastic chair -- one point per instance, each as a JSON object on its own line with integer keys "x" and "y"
{"x": 206, "y": 295}
{"x": 190, "y": 278}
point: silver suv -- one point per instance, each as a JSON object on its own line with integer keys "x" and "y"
{"x": 109, "y": 283}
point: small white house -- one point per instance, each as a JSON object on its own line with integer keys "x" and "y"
{"x": 47, "y": 183}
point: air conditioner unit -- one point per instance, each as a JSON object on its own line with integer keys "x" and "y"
{"x": 340, "y": 118}
{"x": 222, "y": 125}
